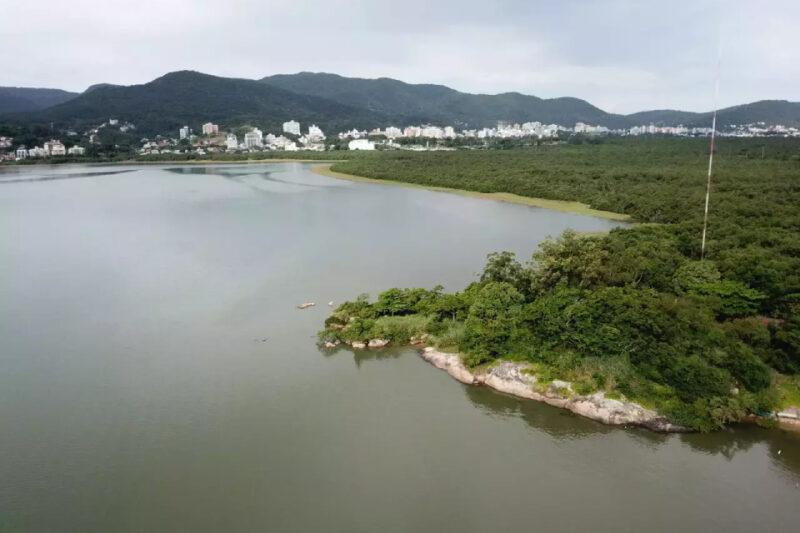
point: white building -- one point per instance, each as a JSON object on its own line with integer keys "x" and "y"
{"x": 254, "y": 138}
{"x": 76, "y": 150}
{"x": 231, "y": 142}
{"x": 37, "y": 151}
{"x": 113, "y": 121}
{"x": 314, "y": 133}
{"x": 210, "y": 129}
{"x": 292, "y": 127}
{"x": 393, "y": 133}
{"x": 361, "y": 144}
{"x": 54, "y": 147}
{"x": 22, "y": 153}
{"x": 434, "y": 132}
{"x": 184, "y": 132}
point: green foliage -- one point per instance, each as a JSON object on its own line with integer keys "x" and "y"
{"x": 635, "y": 312}
{"x": 572, "y": 261}
{"x": 179, "y": 98}
{"x": 493, "y": 321}
{"x": 695, "y": 274}
{"x": 730, "y": 299}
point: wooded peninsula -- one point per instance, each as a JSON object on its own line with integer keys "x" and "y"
{"x": 635, "y": 313}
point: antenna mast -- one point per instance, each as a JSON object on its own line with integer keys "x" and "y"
{"x": 711, "y": 157}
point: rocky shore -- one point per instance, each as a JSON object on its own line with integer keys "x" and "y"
{"x": 515, "y": 379}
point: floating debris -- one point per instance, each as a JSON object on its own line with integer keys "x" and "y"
{"x": 306, "y": 305}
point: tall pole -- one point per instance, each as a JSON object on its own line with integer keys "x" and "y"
{"x": 710, "y": 158}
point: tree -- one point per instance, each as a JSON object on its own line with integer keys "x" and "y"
{"x": 493, "y": 321}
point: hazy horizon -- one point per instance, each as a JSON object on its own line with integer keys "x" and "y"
{"x": 622, "y": 56}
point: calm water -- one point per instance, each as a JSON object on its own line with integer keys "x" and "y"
{"x": 156, "y": 376}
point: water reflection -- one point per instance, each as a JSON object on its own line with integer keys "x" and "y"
{"x": 783, "y": 446}
{"x": 361, "y": 356}
{"x": 70, "y": 176}
{"x": 238, "y": 174}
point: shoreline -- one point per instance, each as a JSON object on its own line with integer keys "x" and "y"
{"x": 516, "y": 380}
{"x": 577, "y": 208}
{"x": 176, "y": 162}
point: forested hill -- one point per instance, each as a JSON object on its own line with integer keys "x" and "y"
{"x": 191, "y": 98}
{"x": 437, "y": 103}
{"x": 440, "y": 104}
{"x": 17, "y": 99}
{"x": 767, "y": 111}
{"x": 335, "y": 103}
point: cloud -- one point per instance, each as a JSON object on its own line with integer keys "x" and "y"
{"x": 621, "y": 55}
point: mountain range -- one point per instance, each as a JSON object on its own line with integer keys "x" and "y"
{"x": 335, "y": 103}
{"x": 16, "y": 99}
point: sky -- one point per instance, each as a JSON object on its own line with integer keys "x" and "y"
{"x": 621, "y": 55}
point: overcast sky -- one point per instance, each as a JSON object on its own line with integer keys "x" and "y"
{"x": 621, "y": 55}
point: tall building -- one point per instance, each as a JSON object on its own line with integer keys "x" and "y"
{"x": 314, "y": 133}
{"x": 210, "y": 129}
{"x": 254, "y": 138}
{"x": 231, "y": 143}
{"x": 393, "y": 133}
{"x": 184, "y": 132}
{"x": 292, "y": 127}
{"x": 54, "y": 147}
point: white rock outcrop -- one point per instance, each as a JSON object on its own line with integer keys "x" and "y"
{"x": 377, "y": 343}
{"x": 516, "y": 379}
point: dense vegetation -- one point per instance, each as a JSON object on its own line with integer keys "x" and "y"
{"x": 634, "y": 312}
{"x": 190, "y": 98}
{"x": 437, "y": 103}
{"x": 334, "y": 102}
{"x": 17, "y": 99}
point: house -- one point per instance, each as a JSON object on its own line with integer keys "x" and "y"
{"x": 77, "y": 150}
{"x": 361, "y": 144}
{"x": 22, "y": 153}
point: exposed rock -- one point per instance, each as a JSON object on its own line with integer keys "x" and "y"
{"x": 557, "y": 385}
{"x": 358, "y": 345}
{"x": 306, "y": 305}
{"x": 377, "y": 343}
{"x": 450, "y": 363}
{"x": 329, "y": 344}
{"x": 516, "y": 379}
{"x": 789, "y": 418}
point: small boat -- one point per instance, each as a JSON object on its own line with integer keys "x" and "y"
{"x": 306, "y": 305}
{"x": 330, "y": 303}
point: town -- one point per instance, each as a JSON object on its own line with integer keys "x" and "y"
{"x": 212, "y": 139}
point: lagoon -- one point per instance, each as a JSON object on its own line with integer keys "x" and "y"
{"x": 155, "y": 374}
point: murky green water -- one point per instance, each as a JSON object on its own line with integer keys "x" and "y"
{"x": 155, "y": 374}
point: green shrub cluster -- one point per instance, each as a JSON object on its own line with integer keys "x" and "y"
{"x": 635, "y": 312}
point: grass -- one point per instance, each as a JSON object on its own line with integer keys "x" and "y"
{"x": 788, "y": 391}
{"x": 577, "y": 208}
